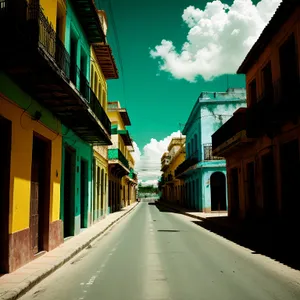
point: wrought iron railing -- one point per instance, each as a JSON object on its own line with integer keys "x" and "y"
{"x": 35, "y": 29}
{"x": 99, "y": 111}
{"x": 190, "y": 161}
{"x": 208, "y": 153}
{"x": 117, "y": 154}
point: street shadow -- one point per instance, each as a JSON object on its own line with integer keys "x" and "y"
{"x": 277, "y": 240}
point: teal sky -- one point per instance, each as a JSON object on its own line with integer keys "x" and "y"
{"x": 156, "y": 104}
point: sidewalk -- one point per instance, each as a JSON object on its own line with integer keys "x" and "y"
{"x": 14, "y": 285}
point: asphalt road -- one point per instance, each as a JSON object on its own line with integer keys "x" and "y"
{"x": 158, "y": 255}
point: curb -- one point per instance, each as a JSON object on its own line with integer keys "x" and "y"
{"x": 29, "y": 284}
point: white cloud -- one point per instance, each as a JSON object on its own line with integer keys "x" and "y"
{"x": 137, "y": 153}
{"x": 149, "y": 182}
{"x": 148, "y": 165}
{"x": 219, "y": 38}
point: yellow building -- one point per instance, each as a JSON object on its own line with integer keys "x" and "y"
{"x": 119, "y": 157}
{"x": 31, "y": 141}
{"x": 42, "y": 87}
{"x": 103, "y": 67}
{"x": 173, "y": 188}
{"x": 130, "y": 181}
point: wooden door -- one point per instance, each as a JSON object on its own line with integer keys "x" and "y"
{"x": 34, "y": 205}
{"x": 5, "y": 158}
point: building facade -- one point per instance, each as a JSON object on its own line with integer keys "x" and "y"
{"x": 103, "y": 67}
{"x": 261, "y": 142}
{"x": 119, "y": 156}
{"x": 204, "y": 175}
{"x": 50, "y": 118}
{"x": 172, "y": 187}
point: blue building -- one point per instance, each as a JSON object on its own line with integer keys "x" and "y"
{"x": 205, "y": 175}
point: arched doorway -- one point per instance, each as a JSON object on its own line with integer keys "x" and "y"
{"x": 218, "y": 191}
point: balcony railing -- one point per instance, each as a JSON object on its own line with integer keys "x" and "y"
{"x": 234, "y": 125}
{"x": 86, "y": 91}
{"x": 190, "y": 161}
{"x": 116, "y": 154}
{"x": 208, "y": 153}
{"x": 132, "y": 174}
{"x": 32, "y": 28}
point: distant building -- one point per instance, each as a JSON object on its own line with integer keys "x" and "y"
{"x": 204, "y": 175}
{"x": 171, "y": 187}
{"x": 122, "y": 177}
{"x": 261, "y": 143}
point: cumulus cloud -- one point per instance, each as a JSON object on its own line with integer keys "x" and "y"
{"x": 148, "y": 182}
{"x": 148, "y": 164}
{"x": 219, "y": 38}
{"x": 137, "y": 153}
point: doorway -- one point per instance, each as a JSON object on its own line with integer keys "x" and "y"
{"x": 40, "y": 194}
{"x": 73, "y": 60}
{"x": 5, "y": 154}
{"x": 269, "y": 187}
{"x": 235, "y": 198}
{"x": 218, "y": 191}
{"x": 290, "y": 178}
{"x": 251, "y": 193}
{"x": 98, "y": 192}
{"x": 83, "y": 193}
{"x": 102, "y": 191}
{"x": 69, "y": 192}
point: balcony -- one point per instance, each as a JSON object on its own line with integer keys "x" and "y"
{"x": 132, "y": 175}
{"x": 208, "y": 155}
{"x": 231, "y": 134}
{"x": 190, "y": 161}
{"x": 115, "y": 107}
{"x": 33, "y": 56}
{"x": 87, "y": 14}
{"x": 118, "y": 162}
{"x": 165, "y": 163}
{"x": 106, "y": 60}
{"x": 124, "y": 135}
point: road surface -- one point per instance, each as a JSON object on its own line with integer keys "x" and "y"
{"x": 154, "y": 255}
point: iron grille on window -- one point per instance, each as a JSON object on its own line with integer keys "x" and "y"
{"x": 208, "y": 153}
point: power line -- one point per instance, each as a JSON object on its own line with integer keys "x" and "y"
{"x": 118, "y": 48}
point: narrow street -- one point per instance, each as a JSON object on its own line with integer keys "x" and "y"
{"x": 152, "y": 254}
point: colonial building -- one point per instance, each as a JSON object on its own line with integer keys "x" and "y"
{"x": 49, "y": 120}
{"x": 119, "y": 156}
{"x": 261, "y": 143}
{"x": 171, "y": 187}
{"x": 204, "y": 175}
{"x": 103, "y": 67}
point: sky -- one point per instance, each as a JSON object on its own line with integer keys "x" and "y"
{"x": 168, "y": 52}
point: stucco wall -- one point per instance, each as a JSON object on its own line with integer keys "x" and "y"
{"x": 73, "y": 26}
{"x": 83, "y": 151}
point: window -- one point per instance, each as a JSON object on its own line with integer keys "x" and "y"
{"x": 92, "y": 77}
{"x": 96, "y": 84}
{"x": 252, "y": 92}
{"x": 2, "y": 4}
{"x": 99, "y": 93}
{"x": 267, "y": 81}
{"x": 288, "y": 65}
